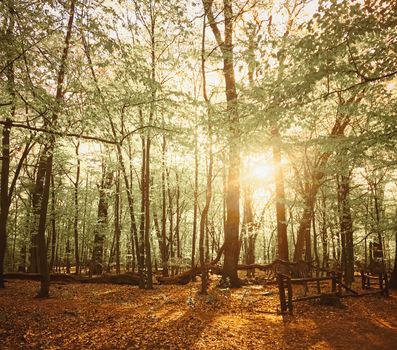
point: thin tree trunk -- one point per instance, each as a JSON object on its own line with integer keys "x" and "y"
{"x": 282, "y": 238}
{"x": 165, "y": 251}
{"x": 142, "y": 223}
{"x": 149, "y": 281}
{"x": 76, "y": 211}
{"x": 208, "y": 195}
{"x": 315, "y": 241}
{"x": 178, "y": 217}
{"x": 117, "y": 228}
{"x": 324, "y": 235}
{"x": 42, "y": 249}
{"x": 53, "y": 224}
{"x": 83, "y": 232}
{"x": 15, "y": 235}
{"x": 195, "y": 202}
{"x": 346, "y": 227}
{"x": 4, "y": 198}
{"x": 393, "y": 276}
{"x": 248, "y": 232}
{"x": 171, "y": 220}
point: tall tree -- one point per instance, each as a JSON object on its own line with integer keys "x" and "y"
{"x": 5, "y": 142}
{"x": 232, "y": 226}
{"x": 43, "y": 177}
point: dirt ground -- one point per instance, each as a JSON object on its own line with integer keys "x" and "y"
{"x": 82, "y": 316}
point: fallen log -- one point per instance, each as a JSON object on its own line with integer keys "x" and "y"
{"x": 182, "y": 278}
{"x": 186, "y": 277}
{"x": 124, "y": 278}
{"x": 290, "y": 268}
{"x": 54, "y": 277}
{"x": 127, "y": 278}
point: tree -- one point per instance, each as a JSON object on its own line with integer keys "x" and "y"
{"x": 43, "y": 178}
{"x": 232, "y": 243}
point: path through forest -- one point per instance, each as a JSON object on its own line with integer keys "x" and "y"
{"x": 81, "y": 316}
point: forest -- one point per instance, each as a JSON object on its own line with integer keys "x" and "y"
{"x": 211, "y": 157}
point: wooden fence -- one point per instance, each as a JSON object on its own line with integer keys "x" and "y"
{"x": 285, "y": 283}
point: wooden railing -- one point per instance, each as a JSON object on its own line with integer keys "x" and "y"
{"x": 285, "y": 283}
{"x": 380, "y": 281}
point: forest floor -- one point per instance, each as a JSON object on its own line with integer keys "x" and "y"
{"x": 99, "y": 316}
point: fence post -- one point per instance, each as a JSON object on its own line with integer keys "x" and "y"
{"x": 333, "y": 282}
{"x": 289, "y": 288}
{"x": 339, "y": 279}
{"x": 362, "y": 279}
{"x": 281, "y": 291}
{"x": 386, "y": 290}
{"x": 381, "y": 281}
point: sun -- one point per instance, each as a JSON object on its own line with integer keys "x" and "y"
{"x": 262, "y": 171}
{"x": 257, "y": 168}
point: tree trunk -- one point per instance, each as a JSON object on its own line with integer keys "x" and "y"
{"x": 324, "y": 235}
{"x": 4, "y": 198}
{"x": 232, "y": 243}
{"x": 45, "y": 163}
{"x": 149, "y": 280}
{"x": 53, "y": 225}
{"x": 42, "y": 249}
{"x": 315, "y": 241}
{"x": 76, "y": 212}
{"x": 178, "y": 218}
{"x": 164, "y": 252}
{"x": 195, "y": 202}
{"x": 5, "y": 146}
{"x": 171, "y": 220}
{"x": 102, "y": 222}
{"x": 305, "y": 222}
{"x": 83, "y": 232}
{"x": 346, "y": 227}
{"x": 117, "y": 227}
{"x": 282, "y": 238}
{"x": 248, "y": 230}
{"x": 393, "y": 277}
{"x": 338, "y": 129}
{"x": 141, "y": 247}
{"x": 208, "y": 195}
